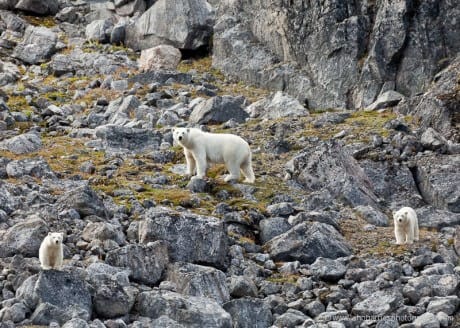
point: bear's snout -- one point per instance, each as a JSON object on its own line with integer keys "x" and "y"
{"x": 180, "y": 137}
{"x": 400, "y": 220}
{"x": 57, "y": 242}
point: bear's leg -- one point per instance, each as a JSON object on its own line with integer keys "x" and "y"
{"x": 399, "y": 234}
{"x": 58, "y": 263}
{"x": 200, "y": 160}
{"x": 191, "y": 165}
{"x": 233, "y": 170}
{"x": 416, "y": 231}
{"x": 246, "y": 167}
{"x": 410, "y": 234}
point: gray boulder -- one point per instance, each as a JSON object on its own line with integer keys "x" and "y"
{"x": 328, "y": 269}
{"x": 192, "y": 238}
{"x": 272, "y": 227}
{"x": 128, "y": 8}
{"x": 448, "y": 305}
{"x": 38, "y": 45}
{"x": 389, "y": 98}
{"x": 120, "y": 139}
{"x": 99, "y": 30}
{"x": 329, "y": 167}
{"x": 432, "y": 140}
{"x": 306, "y": 242}
{"x": 241, "y": 286}
{"x": 276, "y": 106}
{"x": 24, "y": 238}
{"x": 23, "y": 143}
{"x": 60, "y": 297}
{"x": 34, "y": 167}
{"x": 429, "y": 216}
{"x": 103, "y": 231}
{"x": 380, "y": 303}
{"x": 189, "y": 311}
{"x": 249, "y": 313}
{"x": 426, "y": 320}
{"x": 76, "y": 323}
{"x": 84, "y": 200}
{"x": 145, "y": 262}
{"x": 438, "y": 178}
{"x": 42, "y": 7}
{"x": 9, "y": 72}
{"x": 219, "y": 110}
{"x": 372, "y": 216}
{"x": 184, "y": 24}
{"x": 197, "y": 280}
{"x": 433, "y": 285}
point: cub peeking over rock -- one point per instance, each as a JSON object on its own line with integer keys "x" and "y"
{"x": 406, "y": 226}
{"x": 51, "y": 253}
{"x": 203, "y": 148}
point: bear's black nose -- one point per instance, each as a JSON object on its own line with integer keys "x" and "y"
{"x": 180, "y": 137}
{"x": 57, "y": 242}
{"x": 400, "y": 220}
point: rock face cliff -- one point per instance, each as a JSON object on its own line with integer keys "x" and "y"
{"x": 338, "y": 53}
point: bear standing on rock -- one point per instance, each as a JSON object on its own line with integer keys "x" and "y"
{"x": 202, "y": 148}
{"x": 51, "y": 253}
{"x": 406, "y": 226}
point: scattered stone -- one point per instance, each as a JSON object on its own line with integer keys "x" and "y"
{"x": 160, "y": 57}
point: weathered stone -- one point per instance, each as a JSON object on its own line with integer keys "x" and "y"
{"x": 426, "y": 320}
{"x": 61, "y": 296}
{"x": 387, "y": 99}
{"x": 84, "y": 200}
{"x": 24, "y": 238}
{"x": 306, "y": 242}
{"x": 438, "y": 178}
{"x": 433, "y": 140}
{"x": 184, "y": 24}
{"x": 249, "y": 312}
{"x": 131, "y": 7}
{"x": 197, "y": 280}
{"x": 329, "y": 167}
{"x": 448, "y": 305}
{"x": 103, "y": 231}
{"x": 99, "y": 30}
{"x": 328, "y": 270}
{"x": 272, "y": 227}
{"x": 241, "y": 286}
{"x": 379, "y": 303}
{"x": 146, "y": 262}
{"x": 372, "y": 216}
{"x": 276, "y": 106}
{"x": 43, "y": 7}
{"x": 39, "y": 44}
{"x": 34, "y": 167}
{"x": 23, "y": 143}
{"x": 191, "y": 311}
{"x": 433, "y": 285}
{"x": 291, "y": 318}
{"x": 428, "y": 216}
{"x": 192, "y": 238}
{"x": 159, "y": 57}
{"x": 219, "y": 110}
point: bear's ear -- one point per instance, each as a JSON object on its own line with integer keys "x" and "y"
{"x": 62, "y": 234}
{"x": 49, "y": 233}
{"x": 188, "y": 130}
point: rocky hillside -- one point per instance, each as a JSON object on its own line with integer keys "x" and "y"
{"x": 351, "y": 109}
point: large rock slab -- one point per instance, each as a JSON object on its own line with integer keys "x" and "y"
{"x": 184, "y": 24}
{"x": 380, "y": 303}
{"x": 248, "y": 313}
{"x": 121, "y": 139}
{"x": 438, "y": 178}
{"x": 22, "y": 144}
{"x": 328, "y": 166}
{"x": 42, "y": 7}
{"x": 60, "y": 296}
{"x": 39, "y": 45}
{"x": 433, "y": 285}
{"x": 219, "y": 110}
{"x": 84, "y": 200}
{"x": 277, "y": 105}
{"x": 306, "y": 242}
{"x": 160, "y": 57}
{"x": 24, "y": 238}
{"x": 198, "y": 280}
{"x": 192, "y": 238}
{"x": 146, "y": 262}
{"x": 34, "y": 167}
{"x": 189, "y": 311}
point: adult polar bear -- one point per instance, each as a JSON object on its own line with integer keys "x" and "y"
{"x": 202, "y": 148}
{"x": 406, "y": 226}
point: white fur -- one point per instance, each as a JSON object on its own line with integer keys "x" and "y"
{"x": 406, "y": 226}
{"x": 203, "y": 148}
{"x": 51, "y": 253}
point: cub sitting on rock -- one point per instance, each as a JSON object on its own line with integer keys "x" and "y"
{"x": 51, "y": 253}
{"x": 406, "y": 226}
{"x": 203, "y": 148}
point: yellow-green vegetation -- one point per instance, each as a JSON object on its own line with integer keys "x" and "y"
{"x": 284, "y": 278}
{"x": 204, "y": 65}
{"x": 18, "y": 104}
{"x": 46, "y": 21}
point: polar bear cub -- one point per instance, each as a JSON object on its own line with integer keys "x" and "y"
{"x": 406, "y": 226}
{"x": 51, "y": 253}
{"x": 203, "y": 148}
